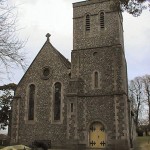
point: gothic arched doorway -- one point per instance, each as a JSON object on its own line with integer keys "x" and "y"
{"x": 97, "y": 135}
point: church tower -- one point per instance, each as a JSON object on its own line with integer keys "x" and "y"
{"x": 97, "y": 95}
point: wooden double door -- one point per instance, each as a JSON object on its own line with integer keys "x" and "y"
{"x": 97, "y": 135}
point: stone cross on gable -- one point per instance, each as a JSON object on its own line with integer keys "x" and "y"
{"x": 48, "y": 36}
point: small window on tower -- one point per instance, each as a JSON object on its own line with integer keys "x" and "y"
{"x": 87, "y": 22}
{"x": 102, "y": 23}
{"x": 96, "y": 79}
{"x": 95, "y": 53}
{"x": 71, "y": 107}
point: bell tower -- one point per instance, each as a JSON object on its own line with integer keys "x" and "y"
{"x": 98, "y": 85}
{"x": 98, "y": 47}
{"x": 96, "y": 24}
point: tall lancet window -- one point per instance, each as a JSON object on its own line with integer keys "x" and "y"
{"x": 88, "y": 22}
{"x": 96, "y": 79}
{"x": 57, "y": 101}
{"x": 102, "y": 20}
{"x": 31, "y": 102}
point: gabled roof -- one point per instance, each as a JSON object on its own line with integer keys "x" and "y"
{"x": 64, "y": 60}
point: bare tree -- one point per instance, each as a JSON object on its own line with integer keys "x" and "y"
{"x": 146, "y": 82}
{"x": 11, "y": 53}
{"x": 136, "y": 97}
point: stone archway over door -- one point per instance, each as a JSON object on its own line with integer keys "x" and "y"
{"x": 97, "y": 135}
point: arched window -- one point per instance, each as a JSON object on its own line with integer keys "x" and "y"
{"x": 87, "y": 22}
{"x": 96, "y": 79}
{"x": 102, "y": 23}
{"x": 57, "y": 101}
{"x": 31, "y": 102}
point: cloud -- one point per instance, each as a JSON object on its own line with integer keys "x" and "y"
{"x": 38, "y": 18}
{"x": 137, "y": 43}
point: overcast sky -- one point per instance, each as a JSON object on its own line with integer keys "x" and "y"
{"x": 38, "y": 17}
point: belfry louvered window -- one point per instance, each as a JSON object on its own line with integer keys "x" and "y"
{"x": 31, "y": 102}
{"x": 57, "y": 101}
{"x": 87, "y": 22}
{"x": 102, "y": 20}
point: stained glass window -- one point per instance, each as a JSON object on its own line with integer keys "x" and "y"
{"x": 57, "y": 101}
{"x": 31, "y": 102}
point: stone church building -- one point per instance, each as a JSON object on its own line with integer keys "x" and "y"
{"x": 82, "y": 104}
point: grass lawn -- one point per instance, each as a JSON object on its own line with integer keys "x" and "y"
{"x": 143, "y": 143}
{"x": 2, "y": 147}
